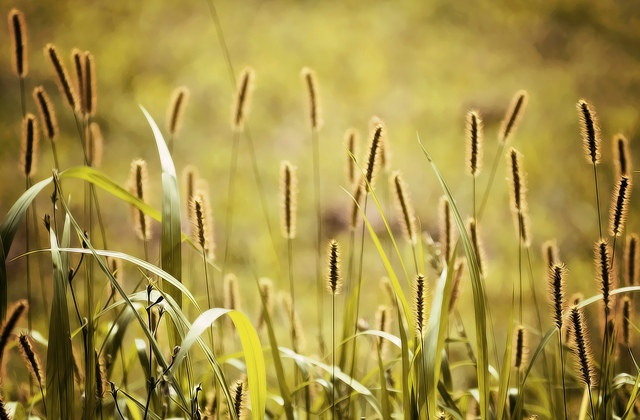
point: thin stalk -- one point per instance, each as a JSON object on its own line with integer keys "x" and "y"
{"x": 333, "y": 356}
{"x": 292, "y": 291}
{"x": 228, "y": 225}
{"x": 23, "y": 103}
{"x": 597, "y": 192}
{"x": 520, "y": 268}
{"x": 564, "y": 387}
{"x": 206, "y": 280}
{"x": 316, "y": 198}
{"x": 150, "y": 379}
{"x": 593, "y": 411}
{"x": 55, "y": 154}
{"x": 474, "y": 198}
{"x": 26, "y": 229}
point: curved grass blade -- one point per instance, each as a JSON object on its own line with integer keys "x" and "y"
{"x": 252, "y": 350}
{"x": 478, "y": 294}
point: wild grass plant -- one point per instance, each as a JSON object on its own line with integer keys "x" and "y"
{"x": 161, "y": 332}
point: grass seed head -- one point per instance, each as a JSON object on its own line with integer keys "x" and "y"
{"x": 288, "y": 196}
{"x": 520, "y": 348}
{"x": 47, "y": 113}
{"x": 334, "y": 284}
{"x": 311, "y": 83}
{"x": 175, "y": 112}
{"x": 404, "y": 206}
{"x": 474, "y": 143}
{"x": 513, "y": 116}
{"x": 619, "y": 206}
{"x": 622, "y": 158}
{"x": 351, "y": 144}
{"x": 31, "y": 357}
{"x": 29, "y": 145}
{"x": 631, "y": 259}
{"x": 138, "y": 186}
{"x": 581, "y": 347}
{"x": 242, "y": 99}
{"x": 19, "y": 60}
{"x": 556, "y": 292}
{"x": 590, "y": 131}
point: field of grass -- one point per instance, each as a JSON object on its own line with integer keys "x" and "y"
{"x": 382, "y": 211}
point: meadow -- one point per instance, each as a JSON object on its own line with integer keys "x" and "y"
{"x": 205, "y": 216}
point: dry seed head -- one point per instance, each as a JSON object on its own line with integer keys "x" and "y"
{"x": 622, "y": 158}
{"x": 385, "y": 153}
{"x": 405, "y": 207}
{"x": 355, "y": 209}
{"x": 242, "y": 99}
{"x": 513, "y": 116}
{"x": 446, "y": 229}
{"x": 455, "y": 289}
{"x": 477, "y": 245}
{"x": 351, "y": 144}
{"x": 556, "y": 287}
{"x": 31, "y": 357}
{"x": 239, "y": 394}
{"x": 29, "y": 145}
{"x": 311, "y": 83}
{"x": 590, "y": 131}
{"x": 419, "y": 307}
{"x": 520, "y": 348}
{"x": 13, "y": 317}
{"x": 517, "y": 181}
{"x": 231, "y": 292}
{"x": 77, "y": 58}
{"x": 474, "y": 143}
{"x": 90, "y": 88}
{"x": 288, "y": 196}
{"x": 18, "y": 27}
{"x": 604, "y": 273}
{"x": 626, "y": 315}
{"x": 138, "y": 179}
{"x": 201, "y": 223}
{"x": 47, "y": 112}
{"x": 373, "y": 159}
{"x": 101, "y": 377}
{"x": 334, "y": 284}
{"x": 94, "y": 144}
{"x": 175, "y": 112}
{"x": 619, "y": 206}
{"x": 550, "y": 253}
{"x": 631, "y": 260}
{"x": 64, "y": 83}
{"x": 581, "y": 346}
{"x": 383, "y": 319}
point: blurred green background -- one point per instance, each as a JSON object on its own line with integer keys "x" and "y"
{"x": 420, "y": 66}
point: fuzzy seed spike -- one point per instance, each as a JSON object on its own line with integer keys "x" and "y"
{"x": 384, "y": 152}
{"x": 446, "y": 229}
{"x": 31, "y": 357}
{"x": 520, "y": 348}
{"x": 242, "y": 99}
{"x": 604, "y": 273}
{"x": 351, "y": 144}
{"x": 631, "y": 260}
{"x": 619, "y": 206}
{"x": 202, "y": 223}
{"x": 29, "y": 145}
{"x": 334, "y": 277}
{"x": 288, "y": 195}
{"x": 175, "y": 112}
{"x": 77, "y": 59}
{"x": 373, "y": 160}
{"x": 517, "y": 181}
{"x": 404, "y": 206}
{"x": 138, "y": 179}
{"x": 420, "y": 292}
{"x": 4, "y": 412}
{"x": 13, "y": 317}
{"x": 311, "y": 83}
{"x": 474, "y": 143}
{"x": 622, "y": 158}
{"x": 47, "y": 112}
{"x": 89, "y": 84}
{"x": 513, "y": 116}
{"x": 64, "y": 83}
{"x": 550, "y": 253}
{"x": 626, "y": 316}
{"x": 590, "y": 131}
{"x": 382, "y": 322}
{"x": 18, "y": 26}
{"x": 239, "y": 393}
{"x": 556, "y": 286}
{"x": 581, "y": 346}
{"x": 357, "y": 198}
{"x": 231, "y": 292}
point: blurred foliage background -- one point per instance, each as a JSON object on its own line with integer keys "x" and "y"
{"x": 420, "y": 66}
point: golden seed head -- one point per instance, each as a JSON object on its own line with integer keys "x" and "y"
{"x": 202, "y": 223}
{"x": 619, "y": 206}
{"x": 446, "y": 229}
{"x": 581, "y": 346}
{"x": 604, "y": 272}
{"x": 351, "y": 144}
{"x": 474, "y": 143}
{"x": 77, "y": 58}
{"x": 455, "y": 289}
{"x": 385, "y": 152}
{"x": 520, "y": 348}
{"x": 175, "y": 111}
{"x": 47, "y": 112}
{"x": 626, "y": 316}
{"x": 239, "y": 394}
{"x": 555, "y": 288}
{"x": 590, "y": 131}
{"x": 513, "y": 116}
{"x": 419, "y": 306}
{"x": 31, "y": 357}
{"x": 29, "y": 145}
{"x": 288, "y": 196}
{"x": 64, "y": 82}
{"x": 383, "y": 320}
{"x": 373, "y": 159}
{"x": 231, "y": 292}
{"x": 334, "y": 277}
{"x": 622, "y": 158}
{"x": 631, "y": 259}
{"x": 405, "y": 208}
{"x": 18, "y": 25}
{"x": 311, "y": 83}
{"x": 242, "y": 99}
{"x": 357, "y": 198}
{"x": 138, "y": 187}
{"x": 90, "y": 84}
{"x": 550, "y": 253}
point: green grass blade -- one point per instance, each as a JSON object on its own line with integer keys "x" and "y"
{"x": 478, "y": 295}
{"x": 60, "y": 398}
{"x": 252, "y": 350}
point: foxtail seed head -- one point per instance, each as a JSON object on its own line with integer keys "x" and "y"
{"x": 334, "y": 284}
{"x": 420, "y": 292}
{"x": 446, "y": 229}
{"x": 31, "y": 357}
{"x": 631, "y": 260}
{"x": 311, "y": 83}
{"x": 622, "y": 158}
{"x": 581, "y": 346}
{"x": 382, "y": 323}
{"x": 513, "y": 116}
{"x": 550, "y": 253}
{"x": 520, "y": 348}
{"x": 455, "y": 289}
{"x": 555, "y": 287}
{"x": 231, "y": 292}
{"x": 474, "y": 143}
{"x": 355, "y": 209}
{"x": 239, "y": 394}
{"x": 175, "y": 112}
{"x": 604, "y": 273}
{"x": 201, "y": 223}
{"x": 385, "y": 152}
{"x": 626, "y": 315}
{"x": 405, "y": 208}
{"x": 47, "y": 112}
{"x": 288, "y": 196}
{"x": 351, "y": 144}
{"x": 590, "y": 131}
{"x": 64, "y": 83}
{"x": 29, "y": 145}
{"x": 138, "y": 180}
{"x": 266, "y": 289}
{"x": 18, "y": 26}
{"x": 13, "y": 317}
{"x": 242, "y": 99}
{"x": 77, "y": 58}
{"x": 619, "y": 206}
{"x": 373, "y": 160}
{"x": 90, "y": 85}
